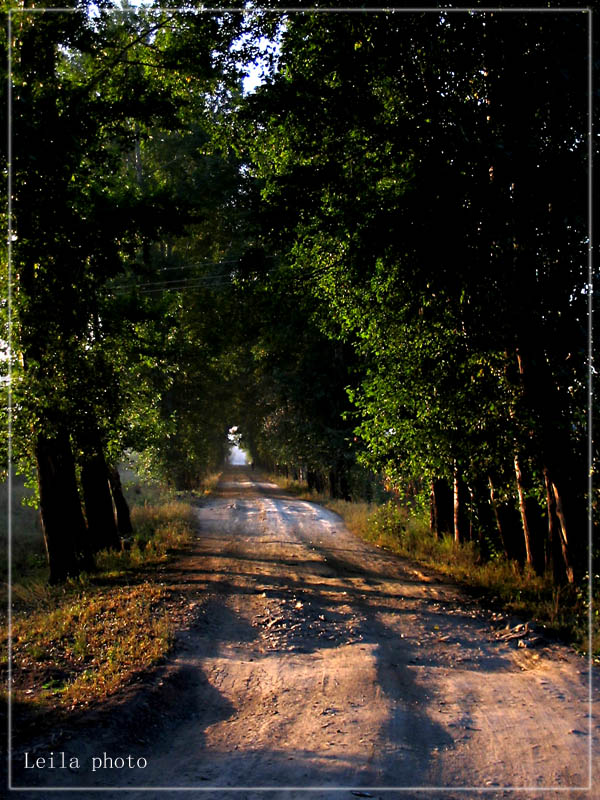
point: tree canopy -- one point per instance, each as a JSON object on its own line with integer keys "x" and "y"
{"x": 439, "y": 218}
{"x": 375, "y": 263}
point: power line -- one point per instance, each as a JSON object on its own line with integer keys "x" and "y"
{"x": 192, "y": 266}
{"x": 162, "y": 287}
{"x": 199, "y": 281}
{"x": 182, "y": 288}
{"x": 207, "y": 279}
{"x": 208, "y": 264}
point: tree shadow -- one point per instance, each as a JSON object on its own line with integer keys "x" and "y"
{"x": 131, "y": 723}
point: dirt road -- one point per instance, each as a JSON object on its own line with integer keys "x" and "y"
{"x": 317, "y": 661}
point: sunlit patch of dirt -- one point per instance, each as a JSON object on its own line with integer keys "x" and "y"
{"x": 316, "y": 660}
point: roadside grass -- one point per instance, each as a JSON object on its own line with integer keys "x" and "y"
{"x": 296, "y": 488}
{"x": 563, "y": 610}
{"x": 77, "y": 644}
{"x": 89, "y": 645}
{"x": 209, "y": 484}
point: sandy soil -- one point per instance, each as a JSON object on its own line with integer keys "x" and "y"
{"x": 316, "y": 661}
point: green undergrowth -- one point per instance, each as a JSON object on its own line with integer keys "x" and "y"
{"x": 564, "y": 610}
{"x": 78, "y": 643}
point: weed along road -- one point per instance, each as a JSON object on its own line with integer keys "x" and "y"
{"x": 315, "y": 660}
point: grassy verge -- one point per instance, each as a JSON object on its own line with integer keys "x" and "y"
{"x": 563, "y": 610}
{"x": 89, "y": 645}
{"x": 76, "y": 644}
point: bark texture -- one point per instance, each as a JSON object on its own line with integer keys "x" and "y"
{"x": 527, "y": 536}
{"x": 98, "y": 503}
{"x": 124, "y": 526}
{"x": 63, "y": 523}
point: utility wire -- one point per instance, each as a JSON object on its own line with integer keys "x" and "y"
{"x": 162, "y": 287}
{"x": 195, "y": 266}
{"x": 208, "y": 280}
{"x": 198, "y": 281}
{"x": 208, "y": 264}
{"x": 180, "y": 288}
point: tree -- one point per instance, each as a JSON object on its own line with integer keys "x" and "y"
{"x": 445, "y": 245}
{"x": 292, "y": 419}
{"x": 87, "y": 88}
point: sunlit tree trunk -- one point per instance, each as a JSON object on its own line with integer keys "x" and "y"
{"x": 557, "y": 531}
{"x": 458, "y": 505}
{"x": 456, "y": 497}
{"x": 523, "y": 510}
{"x": 433, "y": 511}
{"x": 555, "y": 452}
{"x": 556, "y": 557}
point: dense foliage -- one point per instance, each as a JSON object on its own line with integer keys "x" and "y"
{"x": 102, "y": 103}
{"x": 375, "y": 263}
{"x": 440, "y": 219}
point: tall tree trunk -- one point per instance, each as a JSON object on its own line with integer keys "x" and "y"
{"x": 523, "y": 509}
{"x": 566, "y": 475}
{"x": 569, "y": 553}
{"x": 471, "y": 494}
{"x": 441, "y": 508}
{"x": 499, "y": 525}
{"x": 368, "y": 488}
{"x": 332, "y": 476}
{"x": 456, "y": 487}
{"x": 315, "y": 480}
{"x": 555, "y": 555}
{"x": 338, "y": 481}
{"x": 344, "y": 484}
{"x": 138, "y": 162}
{"x": 124, "y": 526}
{"x": 63, "y": 523}
{"x": 458, "y": 497}
{"x": 484, "y": 516}
{"x": 558, "y": 532}
{"x": 97, "y": 497}
{"x": 433, "y": 511}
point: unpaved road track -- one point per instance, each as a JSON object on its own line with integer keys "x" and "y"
{"x": 317, "y": 661}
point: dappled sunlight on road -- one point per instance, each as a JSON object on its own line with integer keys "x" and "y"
{"x": 317, "y": 660}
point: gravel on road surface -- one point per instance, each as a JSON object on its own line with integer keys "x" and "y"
{"x": 316, "y": 665}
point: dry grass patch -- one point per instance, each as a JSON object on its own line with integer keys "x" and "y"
{"x": 79, "y": 643}
{"x": 90, "y": 645}
{"x": 158, "y": 529}
{"x": 209, "y": 483}
{"x": 519, "y": 591}
{"x": 296, "y": 488}
{"x": 355, "y": 515}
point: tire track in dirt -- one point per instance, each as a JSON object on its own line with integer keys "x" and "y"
{"x": 320, "y": 661}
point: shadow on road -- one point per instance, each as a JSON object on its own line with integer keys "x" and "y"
{"x": 275, "y": 601}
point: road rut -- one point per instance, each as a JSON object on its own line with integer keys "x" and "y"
{"x": 319, "y": 662}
